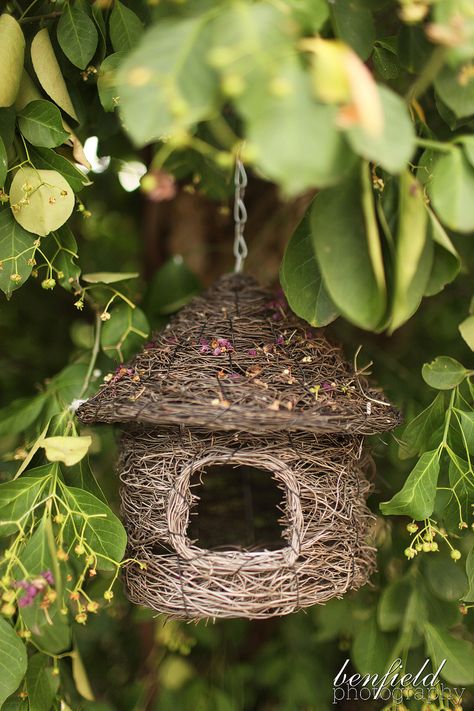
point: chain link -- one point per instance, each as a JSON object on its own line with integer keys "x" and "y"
{"x": 240, "y": 215}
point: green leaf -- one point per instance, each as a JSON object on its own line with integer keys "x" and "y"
{"x": 417, "y": 434}
{"x": 122, "y": 335}
{"x": 167, "y": 83}
{"x": 295, "y": 139}
{"x": 417, "y": 497}
{"x": 370, "y": 649}
{"x": 340, "y": 240}
{"x": 77, "y": 36}
{"x": 459, "y": 655}
{"x": 107, "y": 80}
{"x": 396, "y": 144}
{"x": 12, "y": 51}
{"x": 13, "y": 658}
{"x": 44, "y": 158}
{"x": 311, "y": 16}
{"x": 451, "y": 190}
{"x": 469, "y": 595}
{"x": 352, "y": 22}
{"x": 446, "y": 260}
{"x": 467, "y": 426}
{"x": 393, "y": 604}
{"x": 457, "y": 95}
{"x": 467, "y": 143}
{"x": 385, "y": 61}
{"x": 20, "y": 414}
{"x": 301, "y": 279}
{"x": 16, "y": 249}
{"x": 7, "y": 125}
{"x": 125, "y": 28}
{"x": 413, "y": 251}
{"x": 466, "y": 329}
{"x": 16, "y": 499}
{"x": 69, "y": 450}
{"x": 108, "y": 277}
{"x": 446, "y": 578}
{"x": 3, "y": 163}
{"x": 443, "y": 373}
{"x": 61, "y": 249}
{"x": 101, "y": 528}
{"x": 80, "y": 677}
{"x": 41, "y": 124}
{"x": 49, "y": 200}
{"x": 41, "y": 685}
{"x": 51, "y": 633}
{"x": 49, "y": 73}
{"x": 172, "y": 286}
{"x": 461, "y": 480}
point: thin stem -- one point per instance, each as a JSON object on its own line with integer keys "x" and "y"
{"x": 435, "y": 145}
{"x": 94, "y": 354}
{"x": 428, "y": 74}
{"x": 36, "y": 18}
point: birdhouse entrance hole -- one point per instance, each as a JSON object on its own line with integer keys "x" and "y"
{"x": 239, "y": 507}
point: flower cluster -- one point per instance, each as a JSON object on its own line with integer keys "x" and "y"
{"x": 423, "y": 541}
{"x": 32, "y": 588}
{"x": 217, "y": 346}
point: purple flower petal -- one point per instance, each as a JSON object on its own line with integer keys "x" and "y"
{"x": 252, "y": 351}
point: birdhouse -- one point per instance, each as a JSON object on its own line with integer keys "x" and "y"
{"x": 242, "y": 471}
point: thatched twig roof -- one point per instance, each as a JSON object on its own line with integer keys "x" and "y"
{"x": 236, "y": 358}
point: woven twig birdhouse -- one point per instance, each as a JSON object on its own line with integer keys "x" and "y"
{"x": 243, "y": 485}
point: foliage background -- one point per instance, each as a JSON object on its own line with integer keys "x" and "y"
{"x": 397, "y": 208}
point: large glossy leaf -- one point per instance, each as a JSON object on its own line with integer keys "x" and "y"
{"x": 101, "y": 528}
{"x": 13, "y": 660}
{"x": 458, "y": 653}
{"x": 451, "y": 190}
{"x": 417, "y": 497}
{"x": 41, "y": 200}
{"x": 41, "y": 124}
{"x": 77, "y": 35}
{"x": 301, "y": 279}
{"x": 340, "y": 240}
{"x": 295, "y": 140}
{"x": 443, "y": 373}
{"x": 16, "y": 252}
{"x": 124, "y": 332}
{"x": 167, "y": 83}
{"x": 49, "y": 73}
{"x": 394, "y": 147}
{"x": 47, "y": 159}
{"x": 413, "y": 251}
{"x": 125, "y": 27}
{"x": 417, "y": 434}
{"x": 12, "y": 50}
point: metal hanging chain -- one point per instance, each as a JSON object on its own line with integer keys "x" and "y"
{"x": 240, "y": 215}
